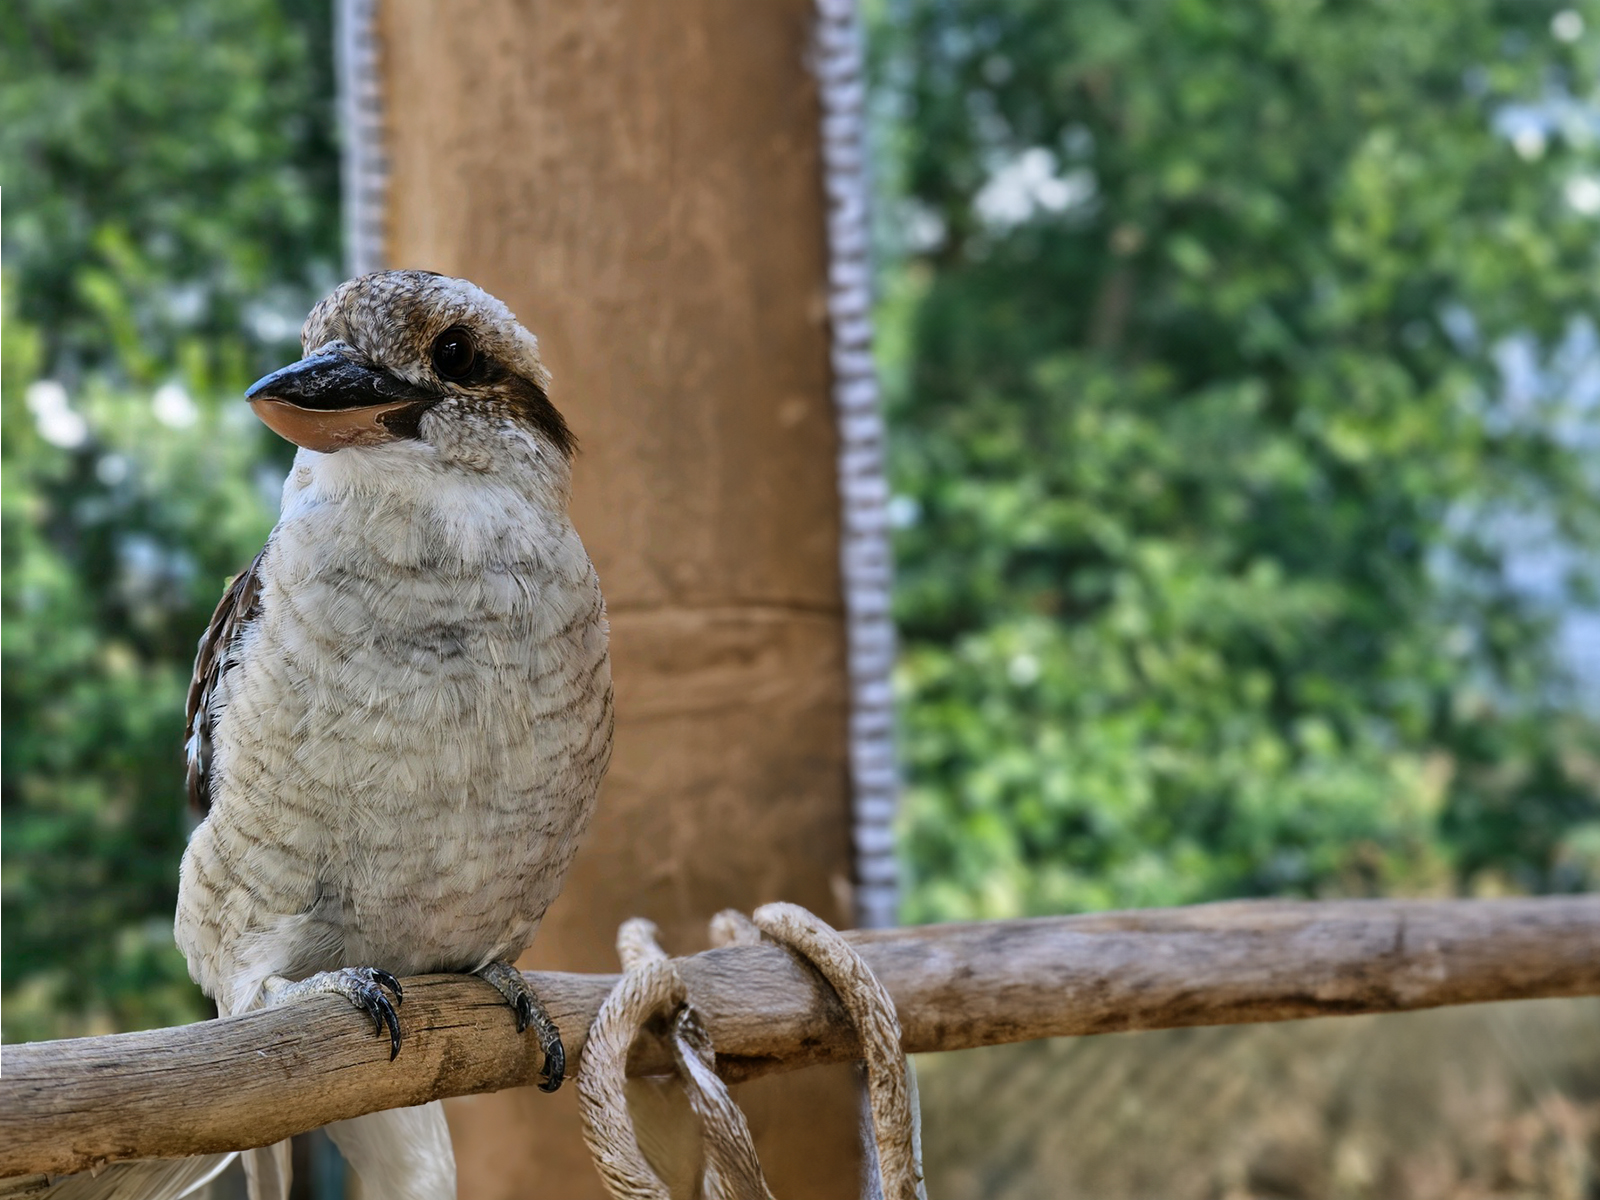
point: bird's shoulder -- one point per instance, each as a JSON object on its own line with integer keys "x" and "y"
{"x": 240, "y": 604}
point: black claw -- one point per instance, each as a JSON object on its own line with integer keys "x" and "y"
{"x": 555, "y": 1062}
{"x": 394, "y": 1027}
{"x": 390, "y": 982}
{"x": 527, "y": 1010}
{"x": 370, "y": 999}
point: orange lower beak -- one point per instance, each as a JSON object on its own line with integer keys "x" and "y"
{"x": 327, "y": 431}
{"x": 331, "y": 400}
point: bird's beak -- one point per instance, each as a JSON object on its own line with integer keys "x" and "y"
{"x": 328, "y": 401}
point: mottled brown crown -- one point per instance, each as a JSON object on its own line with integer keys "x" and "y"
{"x": 394, "y": 319}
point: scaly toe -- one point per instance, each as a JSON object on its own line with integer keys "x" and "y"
{"x": 364, "y": 988}
{"x": 528, "y": 1009}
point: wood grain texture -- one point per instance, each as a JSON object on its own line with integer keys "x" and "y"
{"x": 252, "y": 1079}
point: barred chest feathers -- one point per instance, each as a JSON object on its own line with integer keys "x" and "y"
{"x": 408, "y": 744}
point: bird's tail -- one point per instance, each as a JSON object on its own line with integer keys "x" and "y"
{"x": 268, "y": 1171}
{"x": 142, "y": 1179}
{"x": 400, "y": 1154}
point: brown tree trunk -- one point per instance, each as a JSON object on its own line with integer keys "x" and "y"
{"x": 640, "y": 182}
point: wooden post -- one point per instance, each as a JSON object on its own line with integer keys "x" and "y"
{"x": 641, "y": 183}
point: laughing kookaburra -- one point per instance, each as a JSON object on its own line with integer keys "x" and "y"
{"x": 401, "y": 711}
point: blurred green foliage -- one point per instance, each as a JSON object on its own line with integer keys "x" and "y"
{"x": 1201, "y": 453}
{"x": 1199, "y": 444}
{"x": 171, "y": 179}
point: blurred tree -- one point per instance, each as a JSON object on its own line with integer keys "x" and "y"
{"x": 175, "y": 179}
{"x": 173, "y": 213}
{"x": 1203, "y": 466}
{"x": 1206, "y": 483}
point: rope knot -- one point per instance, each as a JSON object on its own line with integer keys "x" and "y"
{"x": 651, "y": 990}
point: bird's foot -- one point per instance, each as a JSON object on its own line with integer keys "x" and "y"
{"x": 530, "y": 1010}
{"x": 364, "y": 988}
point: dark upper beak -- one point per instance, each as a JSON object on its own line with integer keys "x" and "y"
{"x": 328, "y": 401}
{"x": 331, "y": 381}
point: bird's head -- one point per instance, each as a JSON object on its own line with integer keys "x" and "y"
{"x": 409, "y": 355}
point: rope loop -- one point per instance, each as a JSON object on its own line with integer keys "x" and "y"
{"x": 890, "y": 1089}
{"x": 650, "y": 984}
{"x": 651, "y": 987}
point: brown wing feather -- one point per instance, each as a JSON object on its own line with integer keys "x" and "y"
{"x": 237, "y": 608}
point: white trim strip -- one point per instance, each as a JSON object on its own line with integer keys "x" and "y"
{"x": 364, "y": 166}
{"x": 865, "y": 554}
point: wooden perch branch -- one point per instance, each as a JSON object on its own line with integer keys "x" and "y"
{"x": 253, "y": 1079}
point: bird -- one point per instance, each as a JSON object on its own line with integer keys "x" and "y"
{"x": 401, "y": 711}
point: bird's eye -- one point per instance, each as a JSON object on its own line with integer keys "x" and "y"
{"x": 454, "y": 353}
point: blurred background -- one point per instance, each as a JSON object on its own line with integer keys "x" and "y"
{"x": 1244, "y": 391}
